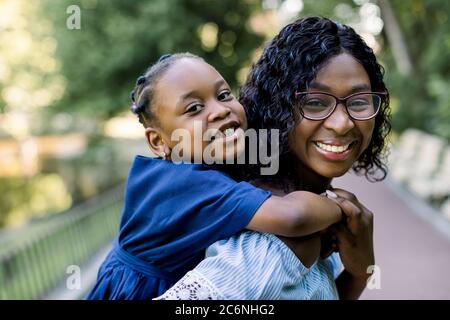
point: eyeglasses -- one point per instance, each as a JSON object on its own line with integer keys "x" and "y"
{"x": 320, "y": 105}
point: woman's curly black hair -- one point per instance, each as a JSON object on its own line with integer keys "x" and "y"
{"x": 288, "y": 64}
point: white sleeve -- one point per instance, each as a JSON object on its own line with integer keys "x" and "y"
{"x": 251, "y": 265}
{"x": 248, "y": 266}
{"x": 335, "y": 264}
{"x": 193, "y": 286}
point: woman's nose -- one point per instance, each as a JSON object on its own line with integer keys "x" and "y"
{"x": 218, "y": 111}
{"x": 339, "y": 121}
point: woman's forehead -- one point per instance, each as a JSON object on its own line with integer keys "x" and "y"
{"x": 342, "y": 71}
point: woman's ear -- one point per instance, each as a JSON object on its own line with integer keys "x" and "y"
{"x": 156, "y": 142}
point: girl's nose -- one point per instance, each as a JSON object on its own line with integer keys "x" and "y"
{"x": 339, "y": 121}
{"x": 218, "y": 112}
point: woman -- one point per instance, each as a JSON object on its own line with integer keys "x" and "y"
{"x": 320, "y": 85}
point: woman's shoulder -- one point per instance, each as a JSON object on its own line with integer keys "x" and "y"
{"x": 280, "y": 274}
{"x": 254, "y": 247}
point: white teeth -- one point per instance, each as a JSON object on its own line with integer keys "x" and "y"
{"x": 229, "y": 132}
{"x": 330, "y": 148}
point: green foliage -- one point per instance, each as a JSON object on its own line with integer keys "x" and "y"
{"x": 25, "y": 198}
{"x": 422, "y": 99}
{"x": 341, "y": 10}
{"x": 119, "y": 39}
{"x": 424, "y": 96}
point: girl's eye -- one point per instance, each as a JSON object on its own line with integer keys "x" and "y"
{"x": 225, "y": 95}
{"x": 193, "y": 108}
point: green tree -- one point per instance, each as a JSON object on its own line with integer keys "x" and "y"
{"x": 424, "y": 95}
{"x": 119, "y": 39}
{"x": 420, "y": 97}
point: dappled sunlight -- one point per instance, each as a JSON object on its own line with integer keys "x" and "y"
{"x": 68, "y": 137}
{"x": 124, "y": 127}
{"x": 208, "y": 35}
{"x": 26, "y": 44}
{"x": 34, "y": 197}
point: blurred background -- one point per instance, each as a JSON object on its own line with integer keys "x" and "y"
{"x": 67, "y": 136}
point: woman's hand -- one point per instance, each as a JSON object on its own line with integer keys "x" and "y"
{"x": 354, "y": 238}
{"x": 327, "y": 242}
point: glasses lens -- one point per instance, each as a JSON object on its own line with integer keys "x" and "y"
{"x": 363, "y": 106}
{"x": 316, "y": 105}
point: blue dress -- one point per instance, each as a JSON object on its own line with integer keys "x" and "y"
{"x": 172, "y": 213}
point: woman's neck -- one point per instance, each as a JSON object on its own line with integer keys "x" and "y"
{"x": 310, "y": 180}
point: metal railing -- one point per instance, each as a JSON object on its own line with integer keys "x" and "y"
{"x": 36, "y": 259}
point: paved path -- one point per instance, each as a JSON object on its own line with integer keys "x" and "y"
{"x": 412, "y": 242}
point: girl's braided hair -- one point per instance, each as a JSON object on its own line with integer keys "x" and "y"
{"x": 143, "y": 92}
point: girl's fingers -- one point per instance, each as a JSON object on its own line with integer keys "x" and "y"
{"x": 348, "y": 207}
{"x": 345, "y": 194}
{"x": 331, "y": 194}
{"x": 365, "y": 214}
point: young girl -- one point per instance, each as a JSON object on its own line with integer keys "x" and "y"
{"x": 173, "y": 212}
{"x": 320, "y": 84}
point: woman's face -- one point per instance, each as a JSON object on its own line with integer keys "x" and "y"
{"x": 319, "y": 144}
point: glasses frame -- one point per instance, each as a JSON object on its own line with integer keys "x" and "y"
{"x": 338, "y": 100}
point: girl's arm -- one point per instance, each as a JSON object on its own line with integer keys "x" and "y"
{"x": 296, "y": 214}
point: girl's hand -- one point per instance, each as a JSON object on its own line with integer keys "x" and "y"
{"x": 354, "y": 237}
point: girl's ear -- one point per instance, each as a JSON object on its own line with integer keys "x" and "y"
{"x": 156, "y": 143}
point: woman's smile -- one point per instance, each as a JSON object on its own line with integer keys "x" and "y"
{"x": 329, "y": 147}
{"x": 335, "y": 151}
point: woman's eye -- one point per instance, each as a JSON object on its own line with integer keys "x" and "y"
{"x": 315, "y": 103}
{"x": 360, "y": 103}
{"x": 224, "y": 95}
{"x": 194, "y": 108}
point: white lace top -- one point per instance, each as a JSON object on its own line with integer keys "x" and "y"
{"x": 256, "y": 266}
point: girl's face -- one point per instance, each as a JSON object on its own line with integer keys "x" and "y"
{"x": 310, "y": 142}
{"x": 194, "y": 98}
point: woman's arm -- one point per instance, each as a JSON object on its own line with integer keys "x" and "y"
{"x": 355, "y": 244}
{"x": 349, "y": 286}
{"x": 297, "y": 214}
